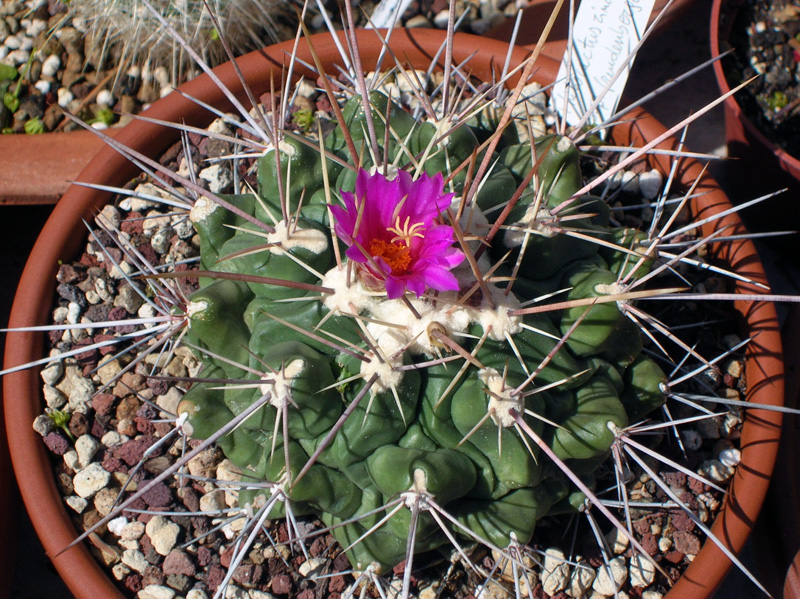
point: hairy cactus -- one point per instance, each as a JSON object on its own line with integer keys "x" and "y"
{"x": 134, "y": 31}
{"x": 400, "y": 365}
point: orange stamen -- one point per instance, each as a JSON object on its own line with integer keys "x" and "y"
{"x": 396, "y": 255}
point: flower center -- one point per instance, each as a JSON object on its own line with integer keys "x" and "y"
{"x": 396, "y": 255}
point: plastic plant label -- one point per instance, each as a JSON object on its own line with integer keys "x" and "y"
{"x": 605, "y": 33}
{"x": 388, "y": 13}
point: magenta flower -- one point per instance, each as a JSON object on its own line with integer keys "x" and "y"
{"x": 397, "y": 238}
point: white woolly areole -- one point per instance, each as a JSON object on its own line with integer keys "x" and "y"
{"x": 193, "y": 308}
{"x": 346, "y": 298}
{"x": 388, "y": 377}
{"x": 286, "y": 238}
{"x": 279, "y": 384}
{"x": 532, "y": 223}
{"x": 418, "y": 487}
{"x": 201, "y": 209}
{"x": 500, "y": 400}
{"x": 415, "y": 332}
{"x": 497, "y": 320}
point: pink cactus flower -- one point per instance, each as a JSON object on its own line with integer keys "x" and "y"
{"x": 394, "y": 233}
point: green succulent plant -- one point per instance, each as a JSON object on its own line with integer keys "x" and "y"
{"x": 374, "y": 395}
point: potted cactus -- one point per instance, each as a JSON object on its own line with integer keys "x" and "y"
{"x": 420, "y": 330}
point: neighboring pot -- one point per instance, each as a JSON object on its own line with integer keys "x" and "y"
{"x": 758, "y": 167}
{"x": 60, "y": 242}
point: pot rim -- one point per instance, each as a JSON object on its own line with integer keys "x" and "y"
{"x": 792, "y": 163}
{"x": 33, "y": 301}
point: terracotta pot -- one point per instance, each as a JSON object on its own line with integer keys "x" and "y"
{"x": 59, "y": 241}
{"x": 25, "y": 157}
{"x": 759, "y": 166}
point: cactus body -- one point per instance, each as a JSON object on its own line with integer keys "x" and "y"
{"x": 445, "y": 432}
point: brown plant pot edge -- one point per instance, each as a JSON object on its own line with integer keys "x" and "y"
{"x": 58, "y": 243}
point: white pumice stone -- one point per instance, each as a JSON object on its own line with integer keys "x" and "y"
{"x": 730, "y": 457}
{"x": 715, "y": 471}
{"x": 26, "y": 44}
{"x": 156, "y": 591}
{"x": 163, "y": 534}
{"x": 650, "y": 183}
{"x": 642, "y": 571}
{"x": 87, "y": 447}
{"x": 64, "y": 97}
{"x": 607, "y": 583}
{"x": 135, "y": 560}
{"x": 43, "y": 424}
{"x": 90, "y": 480}
{"x": 18, "y": 57}
{"x": 52, "y": 373}
{"x": 12, "y": 42}
{"x": 78, "y": 504}
{"x": 42, "y": 86}
{"x": 105, "y": 98}
{"x": 36, "y": 27}
{"x": 117, "y": 525}
{"x": 555, "y": 572}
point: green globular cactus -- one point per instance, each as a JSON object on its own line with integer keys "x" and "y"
{"x": 443, "y": 369}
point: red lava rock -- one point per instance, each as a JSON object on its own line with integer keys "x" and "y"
{"x": 99, "y": 428}
{"x": 153, "y": 575}
{"x": 158, "y": 387}
{"x": 162, "y": 428}
{"x": 337, "y": 584}
{"x": 189, "y": 497}
{"x": 159, "y": 495}
{"x": 112, "y": 464}
{"x": 67, "y": 273}
{"x": 248, "y": 575}
{"x": 179, "y": 562}
{"x": 146, "y": 547}
{"x": 686, "y": 542}
{"x": 698, "y": 486}
{"x": 106, "y": 349}
{"x": 216, "y": 574}
{"x": 133, "y": 582}
{"x": 323, "y": 103}
{"x": 56, "y": 443}
{"x": 226, "y": 556}
{"x": 681, "y": 521}
{"x": 674, "y": 556}
{"x": 642, "y": 525}
{"x": 281, "y": 584}
{"x": 103, "y": 404}
{"x": 132, "y": 224}
{"x": 144, "y": 425}
{"x": 204, "y": 555}
{"x": 650, "y": 543}
{"x": 307, "y": 594}
{"x": 131, "y": 452}
{"x": 120, "y": 313}
{"x": 79, "y": 424}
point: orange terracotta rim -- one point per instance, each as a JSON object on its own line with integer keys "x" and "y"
{"x": 61, "y": 239}
{"x": 788, "y": 162}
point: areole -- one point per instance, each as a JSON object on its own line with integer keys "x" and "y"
{"x": 59, "y": 242}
